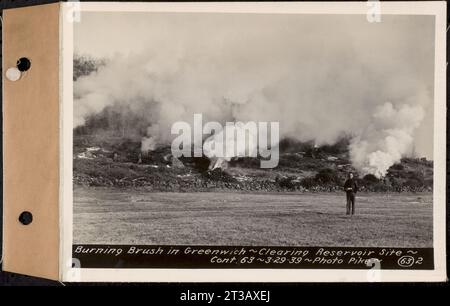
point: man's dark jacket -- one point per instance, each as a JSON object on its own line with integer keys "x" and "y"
{"x": 351, "y": 183}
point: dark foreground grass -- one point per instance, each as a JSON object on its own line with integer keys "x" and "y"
{"x": 112, "y": 216}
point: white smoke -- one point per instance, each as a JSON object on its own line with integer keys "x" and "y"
{"x": 148, "y": 144}
{"x": 318, "y": 84}
{"x": 150, "y": 141}
{"x": 388, "y": 137}
{"x": 233, "y": 141}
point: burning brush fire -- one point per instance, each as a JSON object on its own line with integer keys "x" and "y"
{"x": 236, "y": 139}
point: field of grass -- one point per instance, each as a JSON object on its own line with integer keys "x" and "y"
{"x": 117, "y": 216}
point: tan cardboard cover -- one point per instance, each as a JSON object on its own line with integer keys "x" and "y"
{"x": 31, "y": 141}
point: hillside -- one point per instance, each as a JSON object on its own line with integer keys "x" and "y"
{"x": 117, "y": 162}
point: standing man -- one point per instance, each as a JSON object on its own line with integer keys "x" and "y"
{"x": 351, "y": 188}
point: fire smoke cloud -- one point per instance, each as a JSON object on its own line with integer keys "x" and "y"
{"x": 386, "y": 139}
{"x": 319, "y": 76}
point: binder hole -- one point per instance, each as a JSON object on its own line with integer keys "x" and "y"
{"x": 23, "y": 64}
{"x": 26, "y": 218}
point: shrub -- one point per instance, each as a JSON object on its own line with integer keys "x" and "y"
{"x": 414, "y": 183}
{"x": 293, "y": 145}
{"x": 380, "y": 187}
{"x": 83, "y": 65}
{"x": 308, "y": 182}
{"x": 327, "y": 176}
{"x": 290, "y": 182}
{"x": 339, "y": 147}
{"x": 415, "y": 175}
{"x": 428, "y": 182}
{"x": 219, "y": 175}
{"x": 120, "y": 173}
{"x": 398, "y": 167}
{"x": 370, "y": 179}
{"x": 201, "y": 163}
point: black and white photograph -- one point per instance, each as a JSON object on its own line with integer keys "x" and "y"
{"x": 235, "y": 140}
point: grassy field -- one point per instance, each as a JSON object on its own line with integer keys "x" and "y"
{"x": 113, "y": 216}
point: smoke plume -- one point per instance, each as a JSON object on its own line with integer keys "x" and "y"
{"x": 373, "y": 83}
{"x": 387, "y": 138}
